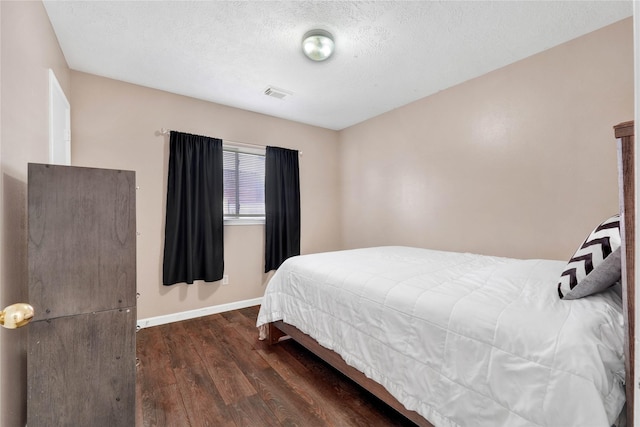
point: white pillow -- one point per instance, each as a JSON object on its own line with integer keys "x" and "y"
{"x": 596, "y": 265}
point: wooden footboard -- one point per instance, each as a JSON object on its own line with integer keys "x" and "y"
{"x": 279, "y": 329}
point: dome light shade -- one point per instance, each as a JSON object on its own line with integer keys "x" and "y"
{"x": 317, "y": 45}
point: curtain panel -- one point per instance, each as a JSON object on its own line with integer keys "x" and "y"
{"x": 193, "y": 246}
{"x": 282, "y": 206}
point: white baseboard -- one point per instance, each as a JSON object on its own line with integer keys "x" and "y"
{"x": 192, "y": 314}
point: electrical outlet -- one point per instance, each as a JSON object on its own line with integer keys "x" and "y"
{"x": 225, "y": 279}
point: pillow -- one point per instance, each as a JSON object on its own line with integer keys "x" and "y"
{"x": 596, "y": 265}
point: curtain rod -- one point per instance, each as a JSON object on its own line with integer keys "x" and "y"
{"x": 165, "y": 131}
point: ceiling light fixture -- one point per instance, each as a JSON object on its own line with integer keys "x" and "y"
{"x": 317, "y": 45}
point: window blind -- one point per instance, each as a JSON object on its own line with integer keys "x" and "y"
{"x": 243, "y": 184}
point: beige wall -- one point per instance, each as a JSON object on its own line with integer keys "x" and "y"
{"x": 519, "y": 162}
{"x": 116, "y": 125}
{"x": 28, "y": 49}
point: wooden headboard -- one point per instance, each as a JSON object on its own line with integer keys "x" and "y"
{"x": 624, "y": 133}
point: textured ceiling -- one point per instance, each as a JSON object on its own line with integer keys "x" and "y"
{"x": 388, "y": 54}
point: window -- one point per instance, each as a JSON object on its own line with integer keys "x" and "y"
{"x": 243, "y": 184}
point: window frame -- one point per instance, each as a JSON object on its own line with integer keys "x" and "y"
{"x": 243, "y": 220}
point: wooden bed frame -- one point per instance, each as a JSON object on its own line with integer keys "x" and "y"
{"x": 626, "y": 179}
{"x": 279, "y": 329}
{"x": 624, "y": 133}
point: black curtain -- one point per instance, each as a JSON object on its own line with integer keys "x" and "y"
{"x": 282, "y": 206}
{"x": 193, "y": 245}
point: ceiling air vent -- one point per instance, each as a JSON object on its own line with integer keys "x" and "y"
{"x": 277, "y": 93}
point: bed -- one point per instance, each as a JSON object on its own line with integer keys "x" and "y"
{"x": 452, "y": 339}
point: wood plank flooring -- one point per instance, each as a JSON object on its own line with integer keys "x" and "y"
{"x": 213, "y": 371}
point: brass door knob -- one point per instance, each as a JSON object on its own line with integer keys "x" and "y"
{"x": 16, "y": 315}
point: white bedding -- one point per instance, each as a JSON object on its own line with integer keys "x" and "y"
{"x": 462, "y": 339}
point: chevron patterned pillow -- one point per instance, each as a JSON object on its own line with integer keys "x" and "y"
{"x": 596, "y": 264}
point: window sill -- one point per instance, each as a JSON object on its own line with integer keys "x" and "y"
{"x": 244, "y": 221}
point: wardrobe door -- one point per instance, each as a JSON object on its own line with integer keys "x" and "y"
{"x": 82, "y": 285}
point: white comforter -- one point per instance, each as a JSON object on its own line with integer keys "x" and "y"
{"x": 462, "y": 339}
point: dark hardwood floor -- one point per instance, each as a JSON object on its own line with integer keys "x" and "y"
{"x": 213, "y": 371}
